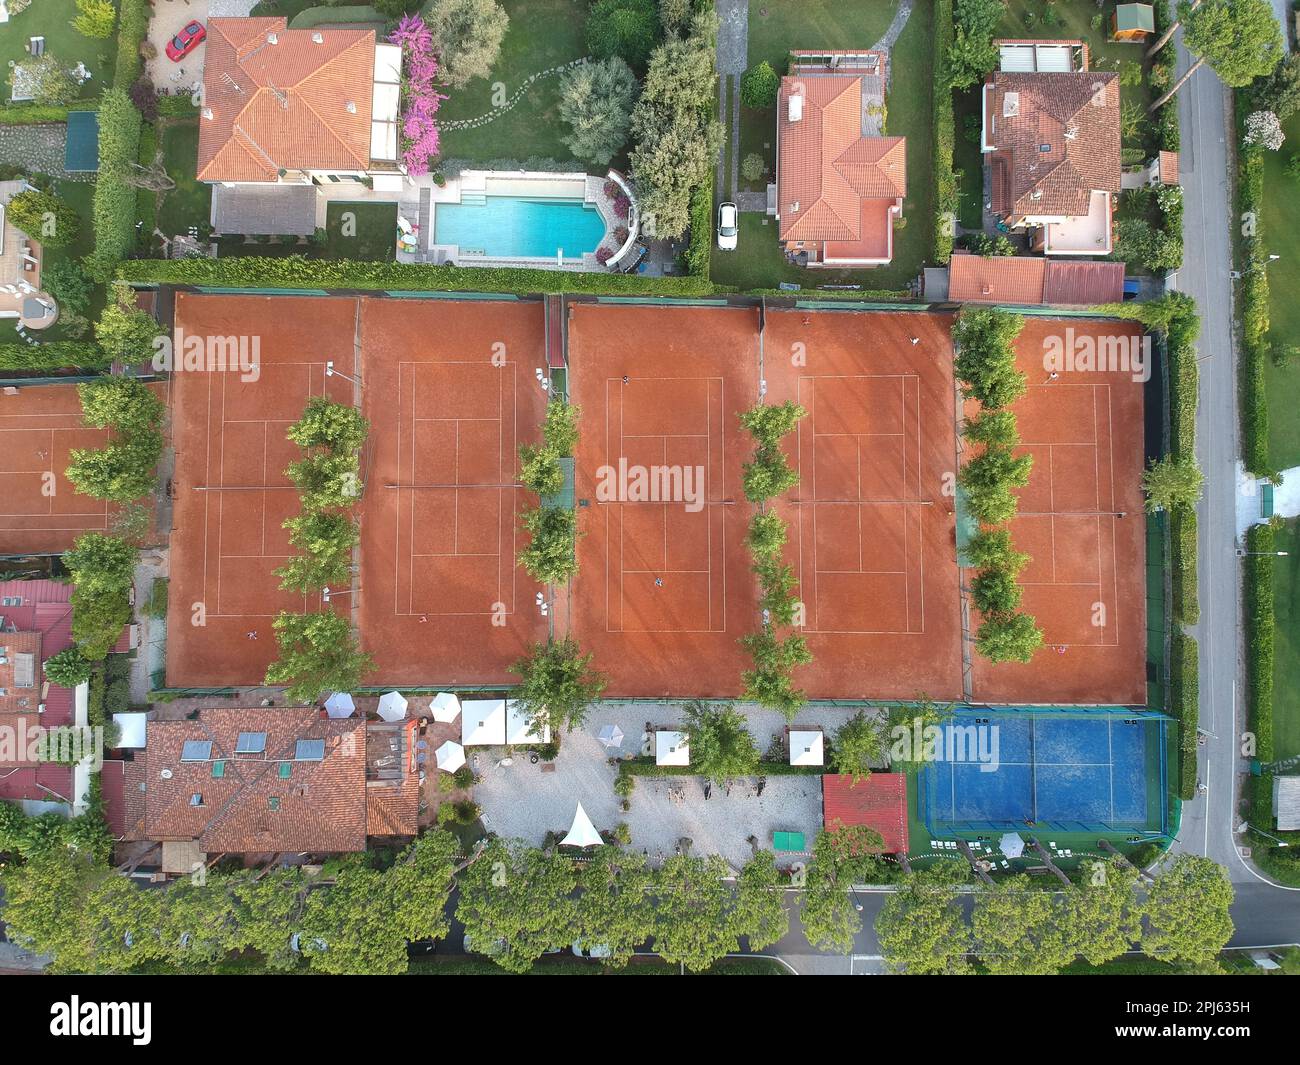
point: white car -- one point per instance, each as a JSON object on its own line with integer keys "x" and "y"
{"x": 728, "y": 222}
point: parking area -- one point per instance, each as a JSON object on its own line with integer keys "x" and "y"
{"x": 169, "y": 18}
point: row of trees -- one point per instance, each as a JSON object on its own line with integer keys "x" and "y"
{"x": 777, "y": 647}
{"x": 550, "y": 556}
{"x": 986, "y": 367}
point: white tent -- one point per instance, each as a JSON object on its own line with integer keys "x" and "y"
{"x": 392, "y": 707}
{"x": 517, "y": 728}
{"x": 133, "y": 727}
{"x": 671, "y": 748}
{"x": 610, "y": 736}
{"x": 450, "y": 756}
{"x": 340, "y": 705}
{"x": 1012, "y": 845}
{"x": 483, "y": 722}
{"x": 445, "y": 707}
{"x": 807, "y": 747}
{"x": 583, "y": 833}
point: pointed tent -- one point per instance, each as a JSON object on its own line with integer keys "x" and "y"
{"x": 450, "y": 756}
{"x": 340, "y": 705}
{"x": 445, "y": 707}
{"x": 583, "y": 833}
{"x": 392, "y": 707}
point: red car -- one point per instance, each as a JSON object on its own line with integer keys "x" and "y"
{"x": 186, "y": 41}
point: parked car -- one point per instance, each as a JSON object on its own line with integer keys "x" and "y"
{"x": 728, "y": 223}
{"x": 186, "y": 41}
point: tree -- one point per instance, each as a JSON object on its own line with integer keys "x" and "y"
{"x": 771, "y": 681}
{"x": 45, "y": 80}
{"x": 394, "y": 9}
{"x": 67, "y": 282}
{"x": 68, "y": 668}
{"x": 596, "y": 102}
{"x": 677, "y": 138}
{"x": 759, "y": 913}
{"x": 1020, "y": 930}
{"x": 995, "y": 591}
{"x": 842, "y": 857}
{"x": 318, "y": 652}
{"x": 997, "y": 466}
{"x": 1104, "y": 916}
{"x": 127, "y": 406}
{"x": 624, "y": 29}
{"x": 517, "y": 903}
{"x": 992, "y": 548}
{"x": 326, "y": 480}
{"x": 550, "y": 556}
{"x": 759, "y": 86}
{"x": 125, "y": 333}
{"x": 1240, "y": 39}
{"x": 351, "y": 926}
{"x": 326, "y": 541}
{"x": 907, "y": 731}
{"x": 692, "y": 907}
{"x": 44, "y": 217}
{"x": 1172, "y": 482}
{"x": 42, "y": 906}
{"x": 993, "y": 427}
{"x": 972, "y": 53}
{"x": 767, "y": 534}
{"x": 986, "y": 360}
{"x": 95, "y": 18}
{"x": 337, "y": 427}
{"x": 102, "y": 569}
{"x": 560, "y": 426}
{"x": 557, "y": 684}
{"x": 266, "y": 909}
{"x": 721, "y": 746}
{"x": 1008, "y": 638}
{"x": 753, "y": 167}
{"x": 1279, "y": 91}
{"x": 467, "y": 34}
{"x": 921, "y": 928}
{"x": 616, "y": 908}
{"x": 119, "y": 471}
{"x": 859, "y": 744}
{"x": 1264, "y": 130}
{"x": 539, "y": 470}
{"x": 675, "y": 15}
{"x": 1187, "y": 912}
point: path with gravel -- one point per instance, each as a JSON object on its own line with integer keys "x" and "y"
{"x": 892, "y": 34}
{"x": 38, "y": 149}
{"x": 732, "y": 58}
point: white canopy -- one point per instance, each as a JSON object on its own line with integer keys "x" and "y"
{"x": 483, "y": 722}
{"x": 610, "y": 735}
{"x": 450, "y": 756}
{"x": 340, "y": 705}
{"x": 392, "y": 706}
{"x": 133, "y": 727}
{"x": 445, "y": 707}
{"x": 583, "y": 833}
{"x": 518, "y": 729}
{"x": 807, "y": 747}
{"x": 671, "y": 748}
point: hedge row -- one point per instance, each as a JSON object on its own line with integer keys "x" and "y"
{"x": 699, "y": 252}
{"x": 298, "y": 272}
{"x": 115, "y": 200}
{"x": 132, "y": 29}
{"x": 31, "y": 115}
{"x": 1181, "y": 333}
{"x": 945, "y": 136}
{"x": 1162, "y": 77}
{"x": 1185, "y": 706}
{"x": 1186, "y": 590}
{"x": 1260, "y": 622}
{"x": 1254, "y": 301}
{"x": 53, "y": 355}
{"x": 647, "y": 767}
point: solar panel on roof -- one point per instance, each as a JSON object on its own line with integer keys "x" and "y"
{"x": 251, "y": 743}
{"x": 309, "y": 750}
{"x": 196, "y": 750}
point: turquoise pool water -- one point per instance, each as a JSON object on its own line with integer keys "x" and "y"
{"x": 512, "y": 227}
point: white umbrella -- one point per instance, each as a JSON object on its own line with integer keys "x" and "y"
{"x": 1012, "y": 845}
{"x": 583, "y": 833}
{"x": 610, "y": 736}
{"x": 340, "y": 704}
{"x": 450, "y": 756}
{"x": 445, "y": 707}
{"x": 392, "y": 707}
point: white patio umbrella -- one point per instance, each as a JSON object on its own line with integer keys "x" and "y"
{"x": 1012, "y": 845}
{"x": 610, "y": 736}
{"x": 583, "y": 833}
{"x": 340, "y": 704}
{"x": 445, "y": 707}
{"x": 392, "y": 707}
{"x": 450, "y": 756}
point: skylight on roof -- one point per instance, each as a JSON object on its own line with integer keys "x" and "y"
{"x": 251, "y": 743}
{"x": 196, "y": 750}
{"x": 309, "y": 750}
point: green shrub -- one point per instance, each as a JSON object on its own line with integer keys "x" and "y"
{"x": 1182, "y": 529}
{"x": 945, "y": 135}
{"x": 1185, "y": 706}
{"x": 759, "y": 86}
{"x": 132, "y": 29}
{"x": 115, "y": 199}
{"x": 1260, "y": 622}
{"x": 157, "y": 605}
{"x": 699, "y": 252}
{"x": 53, "y": 355}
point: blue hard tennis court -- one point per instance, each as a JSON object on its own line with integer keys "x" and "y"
{"x": 1103, "y": 771}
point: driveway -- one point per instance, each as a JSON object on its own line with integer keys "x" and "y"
{"x": 169, "y": 18}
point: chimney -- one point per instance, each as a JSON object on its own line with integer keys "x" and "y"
{"x": 351, "y": 107}
{"x": 317, "y": 38}
{"x": 271, "y": 38}
{"x": 207, "y": 113}
{"x": 796, "y": 107}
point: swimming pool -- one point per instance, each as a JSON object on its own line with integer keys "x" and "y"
{"x": 513, "y": 227}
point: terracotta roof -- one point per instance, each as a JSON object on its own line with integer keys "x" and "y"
{"x": 393, "y": 809}
{"x": 1084, "y": 284}
{"x": 879, "y": 802}
{"x": 1169, "y": 168}
{"x": 999, "y": 279}
{"x": 277, "y": 799}
{"x": 284, "y": 105}
{"x": 1061, "y": 138}
{"x": 826, "y": 165}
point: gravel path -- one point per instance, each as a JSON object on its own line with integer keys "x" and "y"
{"x": 39, "y": 149}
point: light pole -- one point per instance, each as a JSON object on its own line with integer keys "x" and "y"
{"x": 330, "y": 371}
{"x": 327, "y": 594}
{"x": 1242, "y": 553}
{"x": 1267, "y": 835}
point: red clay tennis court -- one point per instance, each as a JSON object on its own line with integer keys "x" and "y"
{"x": 663, "y": 590}
{"x": 451, "y": 390}
{"x": 40, "y": 511}
{"x": 1081, "y": 521}
{"x": 232, "y": 496}
{"x": 872, "y": 532}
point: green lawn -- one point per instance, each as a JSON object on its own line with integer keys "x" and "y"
{"x": 1286, "y": 669}
{"x": 80, "y": 196}
{"x": 967, "y": 159}
{"x": 53, "y": 20}
{"x": 542, "y": 35}
{"x": 1280, "y": 224}
{"x": 190, "y": 203}
{"x": 375, "y": 239}
{"x": 777, "y": 26}
{"x": 758, "y": 262}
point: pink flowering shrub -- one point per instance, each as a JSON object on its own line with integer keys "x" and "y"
{"x": 420, "y": 98}
{"x": 603, "y": 254}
